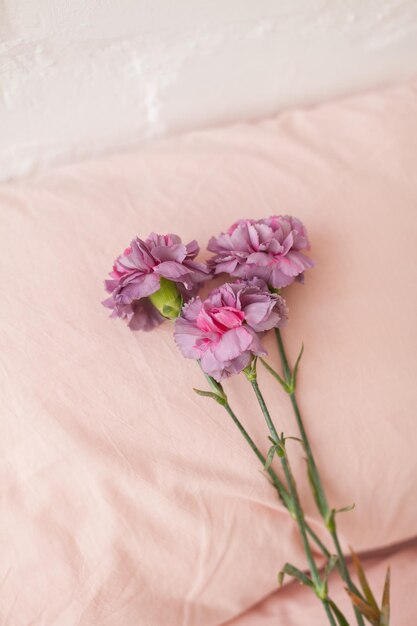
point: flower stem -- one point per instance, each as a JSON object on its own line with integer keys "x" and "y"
{"x": 291, "y": 483}
{"x": 279, "y": 486}
{"x": 315, "y": 477}
{"x": 319, "y": 586}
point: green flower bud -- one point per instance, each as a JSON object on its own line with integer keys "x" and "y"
{"x": 167, "y": 300}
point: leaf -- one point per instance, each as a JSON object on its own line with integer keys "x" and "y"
{"x": 275, "y": 374}
{"x": 330, "y": 565}
{"x": 385, "y": 608}
{"x": 207, "y": 394}
{"x": 296, "y": 573}
{"x": 330, "y": 521}
{"x": 210, "y": 394}
{"x": 295, "y": 371}
{"x": 281, "y": 451}
{"x": 371, "y": 614}
{"x": 270, "y": 457}
{"x": 341, "y": 619}
{"x": 216, "y": 387}
{"x": 346, "y": 509}
{"x": 363, "y": 581}
{"x": 295, "y": 439}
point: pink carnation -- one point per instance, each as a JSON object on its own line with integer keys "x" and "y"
{"x": 269, "y": 248}
{"x": 222, "y": 332}
{"x": 137, "y": 273}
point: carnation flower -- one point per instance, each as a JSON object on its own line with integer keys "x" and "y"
{"x": 150, "y": 280}
{"x": 269, "y": 248}
{"x": 222, "y": 332}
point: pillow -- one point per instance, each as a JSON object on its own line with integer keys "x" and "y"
{"x": 294, "y": 605}
{"x": 129, "y": 500}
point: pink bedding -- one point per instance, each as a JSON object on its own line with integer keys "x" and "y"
{"x": 292, "y": 606}
{"x": 127, "y": 500}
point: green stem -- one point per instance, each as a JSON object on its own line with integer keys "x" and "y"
{"x": 344, "y": 569}
{"x": 299, "y": 515}
{"x": 306, "y": 443}
{"x": 329, "y": 613}
{"x": 285, "y": 366}
{"x": 317, "y": 541}
{"x": 279, "y": 486}
{"x": 315, "y": 476}
{"x": 274, "y": 478}
{"x": 291, "y": 484}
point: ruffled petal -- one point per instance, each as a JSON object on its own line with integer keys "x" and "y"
{"x": 232, "y": 343}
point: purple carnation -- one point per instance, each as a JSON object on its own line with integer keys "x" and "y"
{"x": 270, "y": 249}
{"x": 137, "y": 274}
{"x": 222, "y": 332}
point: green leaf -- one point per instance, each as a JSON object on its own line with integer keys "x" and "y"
{"x": 277, "y": 377}
{"x": 207, "y": 394}
{"x": 385, "y": 608}
{"x": 295, "y": 372}
{"x": 341, "y": 619}
{"x": 346, "y": 509}
{"x": 216, "y": 387}
{"x": 210, "y": 394}
{"x": 363, "y": 581}
{"x": 270, "y": 457}
{"x": 280, "y": 449}
{"x": 296, "y": 573}
{"x": 330, "y": 565}
{"x": 330, "y": 521}
{"x": 295, "y": 439}
{"x": 371, "y": 614}
{"x": 322, "y": 590}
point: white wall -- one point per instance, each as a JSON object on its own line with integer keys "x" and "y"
{"x": 84, "y": 77}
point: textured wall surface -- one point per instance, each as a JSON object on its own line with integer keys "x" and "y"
{"x": 85, "y": 77}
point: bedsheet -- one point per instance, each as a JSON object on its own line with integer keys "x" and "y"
{"x": 128, "y": 500}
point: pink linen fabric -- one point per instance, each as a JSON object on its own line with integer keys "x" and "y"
{"x": 128, "y": 500}
{"x": 292, "y": 606}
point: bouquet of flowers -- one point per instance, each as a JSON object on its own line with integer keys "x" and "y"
{"x": 158, "y": 279}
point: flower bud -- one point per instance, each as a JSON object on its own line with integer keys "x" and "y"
{"x": 167, "y": 300}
